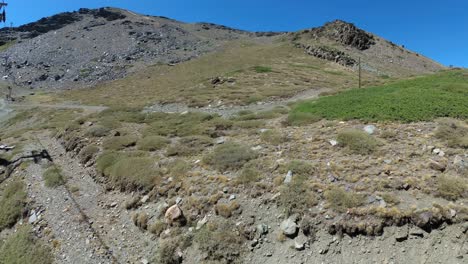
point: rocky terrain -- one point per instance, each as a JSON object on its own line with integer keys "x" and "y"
{"x": 87, "y": 47}
{"x": 196, "y": 143}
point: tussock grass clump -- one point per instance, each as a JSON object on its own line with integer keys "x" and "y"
{"x": 140, "y": 220}
{"x": 53, "y": 177}
{"x": 357, "y": 141}
{"x": 12, "y": 204}
{"x": 152, "y": 143}
{"x": 455, "y": 132}
{"x": 178, "y": 168}
{"x": 120, "y": 143}
{"x": 180, "y": 125}
{"x": 157, "y": 227}
{"x": 22, "y": 247}
{"x": 248, "y": 175}
{"x": 189, "y": 146}
{"x": 98, "y": 131}
{"x": 300, "y": 169}
{"x": 88, "y": 153}
{"x": 226, "y": 210}
{"x": 341, "y": 200}
{"x": 220, "y": 243}
{"x": 168, "y": 249}
{"x": 302, "y": 118}
{"x": 230, "y": 155}
{"x": 296, "y": 197}
{"x": 273, "y": 137}
{"x": 134, "y": 173}
{"x": 451, "y": 187}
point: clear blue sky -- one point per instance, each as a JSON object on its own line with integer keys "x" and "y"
{"x": 437, "y": 29}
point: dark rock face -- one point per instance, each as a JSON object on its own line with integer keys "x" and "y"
{"x": 330, "y": 54}
{"x": 346, "y": 33}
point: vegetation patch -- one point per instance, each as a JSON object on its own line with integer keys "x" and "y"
{"x": 248, "y": 175}
{"x": 12, "y": 204}
{"x": 357, "y": 141}
{"x": 120, "y": 142}
{"x": 455, "y": 132}
{"x": 230, "y": 155}
{"x": 451, "y": 187}
{"x": 262, "y": 69}
{"x": 181, "y": 125}
{"x": 53, "y": 177}
{"x": 152, "y": 143}
{"x": 273, "y": 137}
{"x": 341, "y": 200}
{"x": 88, "y": 153}
{"x": 420, "y": 99}
{"x": 220, "y": 243}
{"x": 133, "y": 173}
{"x": 297, "y": 118}
{"x": 189, "y": 146}
{"x": 22, "y": 247}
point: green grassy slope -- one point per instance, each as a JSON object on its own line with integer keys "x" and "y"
{"x": 440, "y": 95}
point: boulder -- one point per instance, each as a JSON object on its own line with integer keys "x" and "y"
{"x": 288, "y": 177}
{"x": 370, "y": 129}
{"x": 438, "y": 166}
{"x": 174, "y": 214}
{"x": 289, "y": 227}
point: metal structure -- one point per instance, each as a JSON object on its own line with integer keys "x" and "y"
{"x": 3, "y": 11}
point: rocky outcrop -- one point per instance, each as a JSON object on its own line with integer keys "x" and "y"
{"x": 330, "y": 54}
{"x": 346, "y": 34}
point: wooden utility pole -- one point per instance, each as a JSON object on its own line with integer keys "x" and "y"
{"x": 359, "y": 72}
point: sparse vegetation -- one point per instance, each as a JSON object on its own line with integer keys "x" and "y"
{"x": 296, "y": 118}
{"x": 230, "y": 155}
{"x": 98, "y": 131}
{"x": 22, "y": 247}
{"x": 455, "y": 132}
{"x": 53, "y": 177}
{"x": 88, "y": 153}
{"x": 134, "y": 173}
{"x": 12, "y": 204}
{"x": 357, "y": 141}
{"x": 152, "y": 143}
{"x": 273, "y": 137}
{"x": 341, "y": 200}
{"x": 190, "y": 145}
{"x": 226, "y": 210}
{"x": 120, "y": 142}
{"x": 262, "y": 69}
{"x": 248, "y": 175}
{"x": 219, "y": 243}
{"x": 451, "y": 187}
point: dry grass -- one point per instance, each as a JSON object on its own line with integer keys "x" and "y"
{"x": 134, "y": 173}
{"x": 451, "y": 187}
{"x": 22, "y": 247}
{"x": 120, "y": 142}
{"x": 88, "y": 153}
{"x": 226, "y": 210}
{"x": 358, "y": 141}
{"x": 273, "y": 137}
{"x": 152, "y": 143}
{"x": 341, "y": 200}
{"x": 12, "y": 204}
{"x": 189, "y": 146}
{"x": 230, "y": 155}
{"x": 53, "y": 177}
{"x": 455, "y": 132}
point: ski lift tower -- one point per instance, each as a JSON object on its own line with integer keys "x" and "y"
{"x": 3, "y": 11}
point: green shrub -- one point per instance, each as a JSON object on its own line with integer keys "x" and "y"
{"x": 180, "y": 125}
{"x": 296, "y": 197}
{"x": 230, "y": 156}
{"x": 53, "y": 177}
{"x": 249, "y": 124}
{"x": 98, "y": 131}
{"x": 451, "y": 188}
{"x": 273, "y": 137}
{"x": 21, "y": 247}
{"x": 178, "y": 168}
{"x": 119, "y": 143}
{"x": 302, "y": 118}
{"x": 262, "y": 69}
{"x": 419, "y": 99}
{"x": 248, "y": 175}
{"x": 191, "y": 145}
{"x": 105, "y": 161}
{"x": 167, "y": 250}
{"x": 134, "y": 173}
{"x": 455, "y": 132}
{"x": 357, "y": 141}
{"x": 12, "y": 204}
{"x": 302, "y": 170}
{"x": 152, "y": 143}
{"x": 341, "y": 200}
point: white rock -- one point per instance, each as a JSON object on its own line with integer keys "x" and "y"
{"x": 33, "y": 217}
{"x": 436, "y": 151}
{"x": 178, "y": 200}
{"x": 145, "y": 199}
{"x": 201, "y": 223}
{"x": 232, "y": 197}
{"x": 289, "y": 227}
{"x": 333, "y": 142}
{"x": 370, "y": 129}
{"x": 288, "y": 177}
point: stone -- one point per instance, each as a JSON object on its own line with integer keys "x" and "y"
{"x": 416, "y": 231}
{"x": 201, "y": 223}
{"x": 437, "y": 165}
{"x": 300, "y": 242}
{"x": 436, "y": 151}
{"x": 370, "y": 129}
{"x": 261, "y": 230}
{"x": 460, "y": 163}
{"x": 288, "y": 177}
{"x": 333, "y": 142}
{"x": 401, "y": 234}
{"x": 144, "y": 199}
{"x": 33, "y": 217}
{"x": 232, "y": 197}
{"x": 144, "y": 261}
{"x": 220, "y": 140}
{"x": 178, "y": 200}
{"x": 173, "y": 214}
{"x": 289, "y": 227}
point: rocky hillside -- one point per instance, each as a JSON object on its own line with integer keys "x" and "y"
{"x": 86, "y": 47}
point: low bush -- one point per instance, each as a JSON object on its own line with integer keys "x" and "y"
{"x": 134, "y": 173}
{"x": 262, "y": 69}
{"x": 190, "y": 146}
{"x": 98, "y": 131}
{"x": 296, "y": 197}
{"x": 120, "y": 142}
{"x": 248, "y": 175}
{"x": 21, "y": 247}
{"x": 12, "y": 204}
{"x": 273, "y": 137}
{"x": 455, "y": 132}
{"x": 302, "y": 118}
{"x": 140, "y": 220}
{"x": 152, "y": 143}
{"x": 230, "y": 155}
{"x": 88, "y": 153}
{"x": 168, "y": 250}
{"x": 180, "y": 125}
{"x": 341, "y": 200}
{"x": 451, "y": 187}
{"x": 220, "y": 244}
{"x": 226, "y": 210}
{"x": 178, "y": 169}
{"x": 53, "y": 177}
{"x": 357, "y": 141}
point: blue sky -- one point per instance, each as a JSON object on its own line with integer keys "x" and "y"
{"x": 437, "y": 29}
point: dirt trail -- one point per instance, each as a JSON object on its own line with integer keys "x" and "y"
{"x": 88, "y": 221}
{"x": 61, "y": 106}
{"x": 228, "y": 111}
